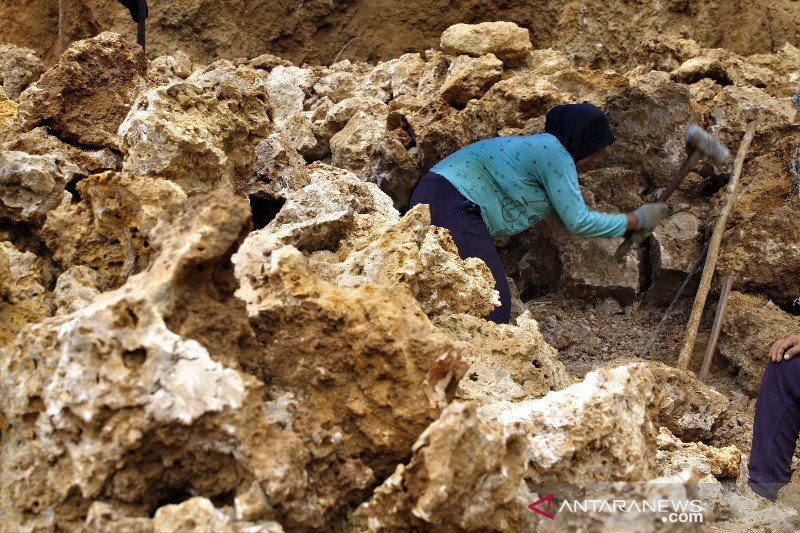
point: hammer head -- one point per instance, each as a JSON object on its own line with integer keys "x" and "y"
{"x": 703, "y": 142}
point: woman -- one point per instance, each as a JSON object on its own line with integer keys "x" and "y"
{"x": 504, "y": 185}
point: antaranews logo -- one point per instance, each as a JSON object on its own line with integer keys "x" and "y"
{"x": 535, "y": 506}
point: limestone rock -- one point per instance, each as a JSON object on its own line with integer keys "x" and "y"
{"x": 175, "y": 67}
{"x": 689, "y": 408}
{"x": 287, "y": 88}
{"x": 107, "y": 230}
{"x": 666, "y": 52}
{"x": 675, "y": 456}
{"x": 138, "y": 397}
{"x": 469, "y": 78}
{"x": 393, "y": 78}
{"x": 279, "y": 169}
{"x": 366, "y": 147}
{"x": 464, "y": 473}
{"x": 314, "y": 337}
{"x": 338, "y": 85}
{"x": 85, "y": 97}
{"x": 649, "y": 120}
{"x": 199, "y": 133}
{"x": 23, "y": 295}
{"x": 601, "y": 429}
{"x": 19, "y": 67}
{"x": 760, "y": 246}
{"x": 749, "y": 329}
{"x": 299, "y": 131}
{"x": 8, "y": 117}
{"x": 506, "y": 40}
{"x": 697, "y": 68}
{"x": 32, "y": 185}
{"x": 338, "y": 115}
{"x": 674, "y": 246}
{"x": 39, "y": 142}
{"x": 75, "y": 289}
{"x": 507, "y": 362}
{"x": 199, "y": 514}
{"x": 354, "y": 236}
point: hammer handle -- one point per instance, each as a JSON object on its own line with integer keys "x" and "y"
{"x": 637, "y": 237}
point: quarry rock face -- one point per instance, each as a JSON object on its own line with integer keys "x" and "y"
{"x": 217, "y": 312}
{"x": 86, "y": 96}
{"x": 200, "y": 133}
{"x": 31, "y": 185}
{"x": 19, "y": 67}
{"x": 751, "y": 326}
{"x": 506, "y": 40}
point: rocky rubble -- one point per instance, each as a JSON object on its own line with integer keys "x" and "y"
{"x": 217, "y": 312}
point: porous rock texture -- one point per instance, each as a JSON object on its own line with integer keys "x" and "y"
{"x": 31, "y": 185}
{"x": 85, "y": 97}
{"x": 200, "y": 133}
{"x": 19, "y": 67}
{"x": 471, "y": 468}
{"x": 23, "y": 295}
{"x": 107, "y": 230}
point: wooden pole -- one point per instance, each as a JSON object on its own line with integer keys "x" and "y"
{"x": 60, "y": 27}
{"x": 724, "y": 293}
{"x": 713, "y": 250}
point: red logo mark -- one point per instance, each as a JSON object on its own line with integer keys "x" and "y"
{"x": 549, "y": 500}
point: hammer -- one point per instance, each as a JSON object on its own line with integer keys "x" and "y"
{"x": 699, "y": 143}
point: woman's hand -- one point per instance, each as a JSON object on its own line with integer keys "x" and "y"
{"x": 785, "y": 349}
{"x": 648, "y": 216}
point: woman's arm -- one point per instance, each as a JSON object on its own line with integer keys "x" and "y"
{"x": 561, "y": 185}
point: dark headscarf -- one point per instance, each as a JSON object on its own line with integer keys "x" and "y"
{"x": 581, "y": 128}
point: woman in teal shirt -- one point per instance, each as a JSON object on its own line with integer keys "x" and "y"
{"x": 504, "y": 185}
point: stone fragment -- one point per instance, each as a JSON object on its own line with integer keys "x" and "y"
{"x": 19, "y": 67}
{"x": 601, "y": 429}
{"x": 299, "y": 131}
{"x": 393, "y": 78}
{"x": 32, "y": 185}
{"x": 8, "y": 117}
{"x": 287, "y": 88}
{"x": 337, "y": 85}
{"x": 510, "y": 43}
{"x": 279, "y": 169}
{"x": 86, "y": 96}
{"x": 687, "y": 407}
{"x": 75, "y": 289}
{"x": 23, "y": 295}
{"x": 674, "y": 247}
{"x": 469, "y": 78}
{"x": 175, "y": 67}
{"x": 340, "y": 114}
{"x": 694, "y": 69}
{"x": 666, "y": 52}
{"x": 464, "y": 473}
{"x": 39, "y": 142}
{"x": 675, "y": 456}
{"x": 366, "y": 147}
{"x": 107, "y": 230}
{"x": 507, "y": 362}
{"x": 750, "y": 327}
{"x": 199, "y": 133}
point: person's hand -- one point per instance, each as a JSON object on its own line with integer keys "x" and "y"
{"x": 649, "y": 215}
{"x": 785, "y": 349}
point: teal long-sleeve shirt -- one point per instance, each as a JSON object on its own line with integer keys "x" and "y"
{"x": 518, "y": 180}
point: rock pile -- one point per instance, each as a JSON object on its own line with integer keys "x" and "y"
{"x": 218, "y": 313}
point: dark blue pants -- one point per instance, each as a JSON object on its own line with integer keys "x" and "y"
{"x": 776, "y": 428}
{"x": 449, "y": 209}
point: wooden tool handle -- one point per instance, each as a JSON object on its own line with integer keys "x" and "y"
{"x": 684, "y": 358}
{"x": 688, "y": 164}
